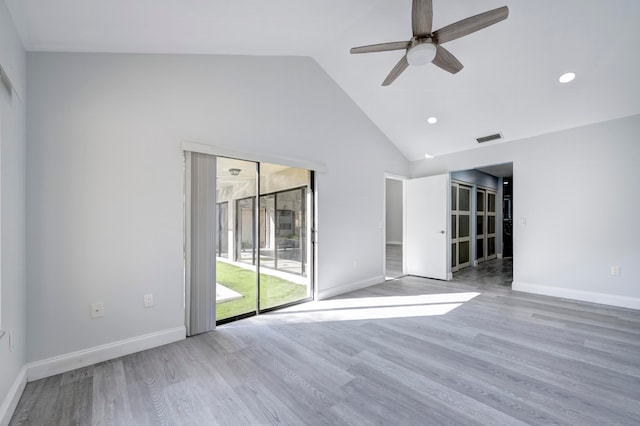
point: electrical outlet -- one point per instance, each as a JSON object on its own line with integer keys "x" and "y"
{"x": 97, "y": 310}
{"x": 148, "y": 300}
{"x": 615, "y": 271}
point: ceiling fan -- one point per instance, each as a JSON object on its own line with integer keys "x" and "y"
{"x": 425, "y": 45}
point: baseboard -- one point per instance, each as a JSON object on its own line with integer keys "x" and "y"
{"x": 584, "y": 296}
{"x": 71, "y": 361}
{"x": 346, "y": 288}
{"x": 11, "y": 401}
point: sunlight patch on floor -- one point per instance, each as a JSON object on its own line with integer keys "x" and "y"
{"x": 375, "y": 307}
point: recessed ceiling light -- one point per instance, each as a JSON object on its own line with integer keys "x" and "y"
{"x": 428, "y": 156}
{"x": 432, "y": 120}
{"x": 567, "y": 77}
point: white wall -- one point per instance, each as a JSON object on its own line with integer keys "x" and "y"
{"x": 12, "y": 221}
{"x": 577, "y": 190}
{"x": 394, "y": 211}
{"x": 105, "y": 179}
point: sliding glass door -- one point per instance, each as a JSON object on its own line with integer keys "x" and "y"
{"x": 268, "y": 215}
{"x": 285, "y": 247}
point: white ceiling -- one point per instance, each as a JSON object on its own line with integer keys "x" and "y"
{"x": 509, "y": 83}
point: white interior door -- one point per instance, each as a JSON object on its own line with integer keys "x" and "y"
{"x": 426, "y": 225}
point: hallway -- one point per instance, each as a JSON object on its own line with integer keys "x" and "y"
{"x": 394, "y": 261}
{"x": 494, "y": 272}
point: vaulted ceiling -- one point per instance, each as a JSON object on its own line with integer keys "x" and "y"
{"x": 509, "y": 83}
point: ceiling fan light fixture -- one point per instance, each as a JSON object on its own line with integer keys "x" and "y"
{"x": 421, "y": 54}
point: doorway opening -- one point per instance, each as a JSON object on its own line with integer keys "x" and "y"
{"x": 394, "y": 228}
{"x": 491, "y": 255}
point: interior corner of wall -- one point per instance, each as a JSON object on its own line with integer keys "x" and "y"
{"x": 10, "y": 402}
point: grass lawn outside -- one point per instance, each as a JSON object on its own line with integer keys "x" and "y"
{"x": 274, "y": 291}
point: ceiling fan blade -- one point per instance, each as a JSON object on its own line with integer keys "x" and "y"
{"x": 382, "y": 47}
{"x": 421, "y": 17}
{"x": 396, "y": 71}
{"x": 445, "y": 60}
{"x": 470, "y": 25}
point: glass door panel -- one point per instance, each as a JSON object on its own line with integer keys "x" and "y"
{"x": 454, "y": 226}
{"x": 463, "y": 225}
{"x": 236, "y": 191}
{"x": 480, "y": 248}
{"x": 454, "y": 256}
{"x": 245, "y": 230}
{"x": 464, "y": 198}
{"x": 454, "y": 197}
{"x": 284, "y": 256}
{"x": 491, "y": 204}
{"x": 465, "y": 250}
{"x": 268, "y": 229}
{"x": 222, "y": 219}
{"x": 491, "y": 247}
{"x": 480, "y": 194}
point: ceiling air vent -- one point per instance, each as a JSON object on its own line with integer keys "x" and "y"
{"x": 489, "y": 138}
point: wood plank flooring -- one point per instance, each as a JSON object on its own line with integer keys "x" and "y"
{"x": 410, "y": 351}
{"x": 393, "y": 260}
{"x": 493, "y": 272}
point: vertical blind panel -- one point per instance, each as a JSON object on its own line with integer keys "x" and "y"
{"x": 202, "y": 285}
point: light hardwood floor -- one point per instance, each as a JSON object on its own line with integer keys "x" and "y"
{"x": 394, "y": 260}
{"x": 408, "y": 351}
{"x": 494, "y": 272}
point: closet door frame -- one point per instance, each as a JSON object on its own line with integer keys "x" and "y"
{"x": 491, "y": 217}
{"x": 481, "y": 217}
